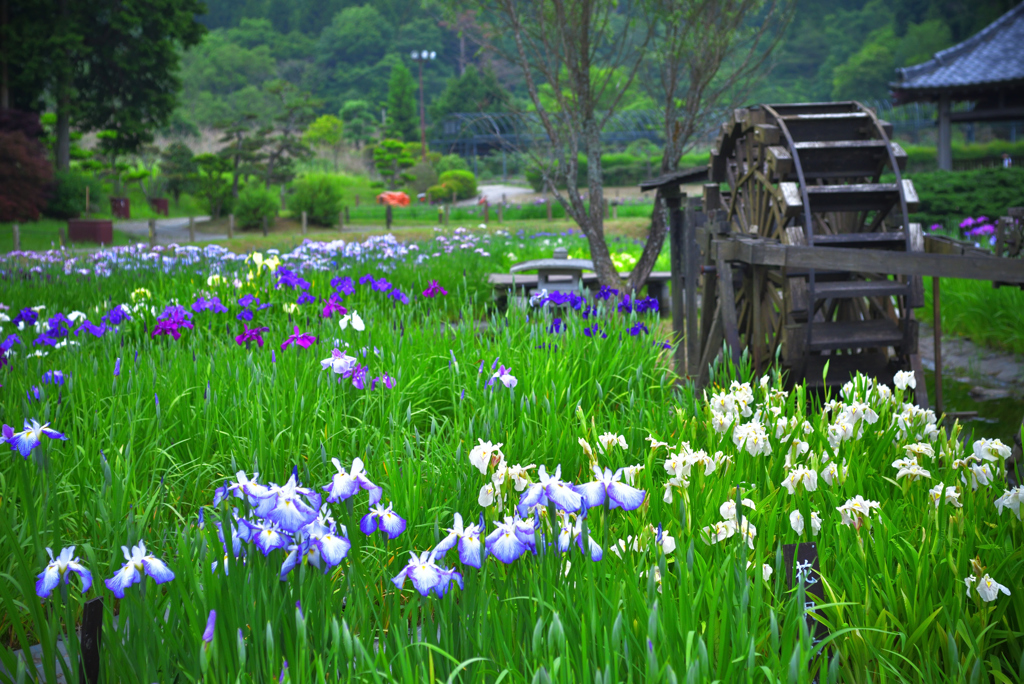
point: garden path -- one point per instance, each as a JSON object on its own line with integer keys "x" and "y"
{"x": 168, "y": 230}
{"x": 993, "y": 374}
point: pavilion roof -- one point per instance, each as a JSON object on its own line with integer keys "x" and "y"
{"x": 991, "y": 59}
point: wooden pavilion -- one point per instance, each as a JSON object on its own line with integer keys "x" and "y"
{"x": 986, "y": 69}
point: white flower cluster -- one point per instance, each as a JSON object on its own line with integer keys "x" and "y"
{"x": 484, "y": 456}
{"x": 730, "y": 524}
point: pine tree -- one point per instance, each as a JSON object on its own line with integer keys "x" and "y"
{"x": 403, "y": 122}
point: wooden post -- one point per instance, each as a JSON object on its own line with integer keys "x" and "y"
{"x": 303, "y": 223}
{"x": 341, "y": 220}
{"x": 500, "y": 206}
{"x": 191, "y": 228}
{"x": 92, "y": 635}
{"x": 692, "y": 258}
{"x": 547, "y": 202}
{"x": 673, "y": 200}
{"x": 387, "y": 216}
{"x": 152, "y": 232}
{"x": 447, "y": 214}
{"x": 86, "y": 201}
{"x": 17, "y": 237}
{"x": 615, "y": 212}
{"x": 945, "y": 142}
{"x": 264, "y": 226}
{"x": 937, "y": 332}
{"x": 487, "y": 211}
{"x": 231, "y": 226}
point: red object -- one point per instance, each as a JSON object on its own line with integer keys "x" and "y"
{"x": 120, "y": 207}
{"x": 91, "y": 230}
{"x": 395, "y": 199}
{"x": 160, "y": 206}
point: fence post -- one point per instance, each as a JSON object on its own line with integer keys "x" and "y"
{"x": 86, "y": 201}
{"x": 547, "y": 202}
{"x": 17, "y": 237}
{"x": 500, "y": 213}
{"x": 191, "y": 228}
{"x": 92, "y": 635}
{"x": 152, "y": 232}
{"x": 303, "y": 223}
{"x": 387, "y": 216}
{"x": 487, "y": 211}
{"x": 615, "y": 211}
{"x": 264, "y": 222}
{"x": 231, "y": 226}
{"x": 447, "y": 214}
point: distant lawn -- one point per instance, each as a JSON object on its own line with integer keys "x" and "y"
{"x": 44, "y": 234}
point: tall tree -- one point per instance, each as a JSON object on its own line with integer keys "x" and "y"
{"x": 402, "y": 121}
{"x": 281, "y": 142}
{"x": 704, "y": 57}
{"x": 588, "y": 52}
{"x": 327, "y": 132}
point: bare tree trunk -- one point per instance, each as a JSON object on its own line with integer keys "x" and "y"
{"x": 607, "y": 274}
{"x": 5, "y": 97}
{"x": 652, "y": 248}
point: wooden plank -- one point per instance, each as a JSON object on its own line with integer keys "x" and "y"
{"x": 691, "y": 255}
{"x": 873, "y": 240}
{"x": 567, "y": 265}
{"x": 913, "y": 203}
{"x": 791, "y": 199}
{"x": 855, "y": 334}
{"x": 712, "y": 346}
{"x": 766, "y": 134}
{"x": 727, "y": 303}
{"x": 851, "y": 289}
{"x": 769, "y": 253}
{"x": 780, "y": 161}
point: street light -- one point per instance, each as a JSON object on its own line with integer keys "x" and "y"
{"x": 421, "y": 56}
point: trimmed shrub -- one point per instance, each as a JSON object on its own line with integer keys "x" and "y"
{"x": 451, "y": 162}
{"x": 68, "y": 197}
{"x": 319, "y": 196}
{"x": 254, "y": 202}
{"x": 462, "y": 182}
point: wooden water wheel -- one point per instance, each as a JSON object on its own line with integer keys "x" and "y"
{"x": 811, "y": 175}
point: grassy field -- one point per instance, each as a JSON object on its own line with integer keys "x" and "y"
{"x": 993, "y": 317}
{"x": 454, "y": 409}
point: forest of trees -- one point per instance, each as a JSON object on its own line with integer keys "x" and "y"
{"x": 343, "y": 51}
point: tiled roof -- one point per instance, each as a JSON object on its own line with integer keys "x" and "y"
{"x": 993, "y": 55}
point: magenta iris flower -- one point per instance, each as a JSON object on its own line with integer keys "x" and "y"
{"x": 303, "y": 340}
{"x": 333, "y": 305}
{"x": 434, "y": 289}
{"x": 251, "y": 335}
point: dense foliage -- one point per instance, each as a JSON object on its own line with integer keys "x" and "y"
{"x": 192, "y": 370}
{"x": 948, "y": 198}
{"x": 319, "y": 196}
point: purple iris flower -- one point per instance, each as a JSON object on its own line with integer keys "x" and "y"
{"x": 426, "y": 575}
{"x": 340, "y": 362}
{"x": 117, "y": 367}
{"x": 9, "y": 342}
{"x": 345, "y": 484}
{"x": 305, "y": 551}
{"x": 385, "y": 519}
{"x": 303, "y": 340}
{"x": 323, "y": 533}
{"x": 30, "y": 436}
{"x": 381, "y": 285}
{"x": 245, "y": 300}
{"x": 244, "y": 315}
{"x": 358, "y": 376}
{"x": 556, "y": 326}
{"x": 333, "y": 305}
{"x": 573, "y": 531}
{"x": 59, "y": 570}
{"x": 59, "y": 325}
{"x": 55, "y": 377}
{"x": 251, "y": 334}
{"x": 91, "y": 328}
{"x": 367, "y": 279}
{"x": 267, "y": 536}
{"x": 291, "y": 506}
{"x": 175, "y": 312}
{"x": 646, "y": 304}
{"x": 606, "y": 293}
{"x": 638, "y": 329}
{"x": 290, "y": 279}
{"x": 45, "y": 339}
{"x": 595, "y": 331}
{"x": 170, "y": 327}
{"x": 468, "y": 539}
{"x": 210, "y": 622}
{"x": 306, "y": 298}
{"x": 399, "y": 295}
{"x": 26, "y": 316}
{"x": 32, "y": 393}
{"x": 503, "y": 543}
{"x": 609, "y": 487}
{"x": 434, "y": 289}
{"x": 117, "y": 315}
{"x": 385, "y": 380}
{"x": 551, "y": 488}
{"x": 212, "y": 304}
{"x": 137, "y": 562}
{"x": 343, "y": 285}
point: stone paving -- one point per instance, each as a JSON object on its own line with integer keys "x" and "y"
{"x": 992, "y": 374}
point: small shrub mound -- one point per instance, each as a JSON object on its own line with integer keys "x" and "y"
{"x": 462, "y": 182}
{"x": 255, "y": 202}
{"x": 317, "y": 195}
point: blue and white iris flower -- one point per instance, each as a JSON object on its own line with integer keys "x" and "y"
{"x": 291, "y": 506}
{"x": 138, "y": 562}
{"x": 503, "y": 543}
{"x": 426, "y": 575}
{"x": 59, "y": 572}
{"x": 346, "y": 484}
{"x": 28, "y": 439}
{"x": 608, "y": 486}
{"x": 551, "y": 488}
{"x": 386, "y": 519}
{"x": 468, "y": 540}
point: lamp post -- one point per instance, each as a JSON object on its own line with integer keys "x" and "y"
{"x": 421, "y": 56}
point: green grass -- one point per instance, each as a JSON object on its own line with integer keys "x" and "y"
{"x": 42, "y": 235}
{"x": 992, "y": 317}
{"x": 146, "y": 448}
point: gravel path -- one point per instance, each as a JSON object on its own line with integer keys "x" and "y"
{"x": 168, "y": 230}
{"x": 993, "y": 374}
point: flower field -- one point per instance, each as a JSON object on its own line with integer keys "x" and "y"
{"x": 339, "y": 464}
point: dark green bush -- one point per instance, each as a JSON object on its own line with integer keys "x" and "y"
{"x": 319, "y": 196}
{"x": 947, "y": 197}
{"x": 253, "y": 204}
{"x": 462, "y": 182}
{"x": 68, "y": 197}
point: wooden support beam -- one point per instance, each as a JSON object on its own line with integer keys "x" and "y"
{"x": 692, "y": 255}
{"x": 727, "y": 303}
